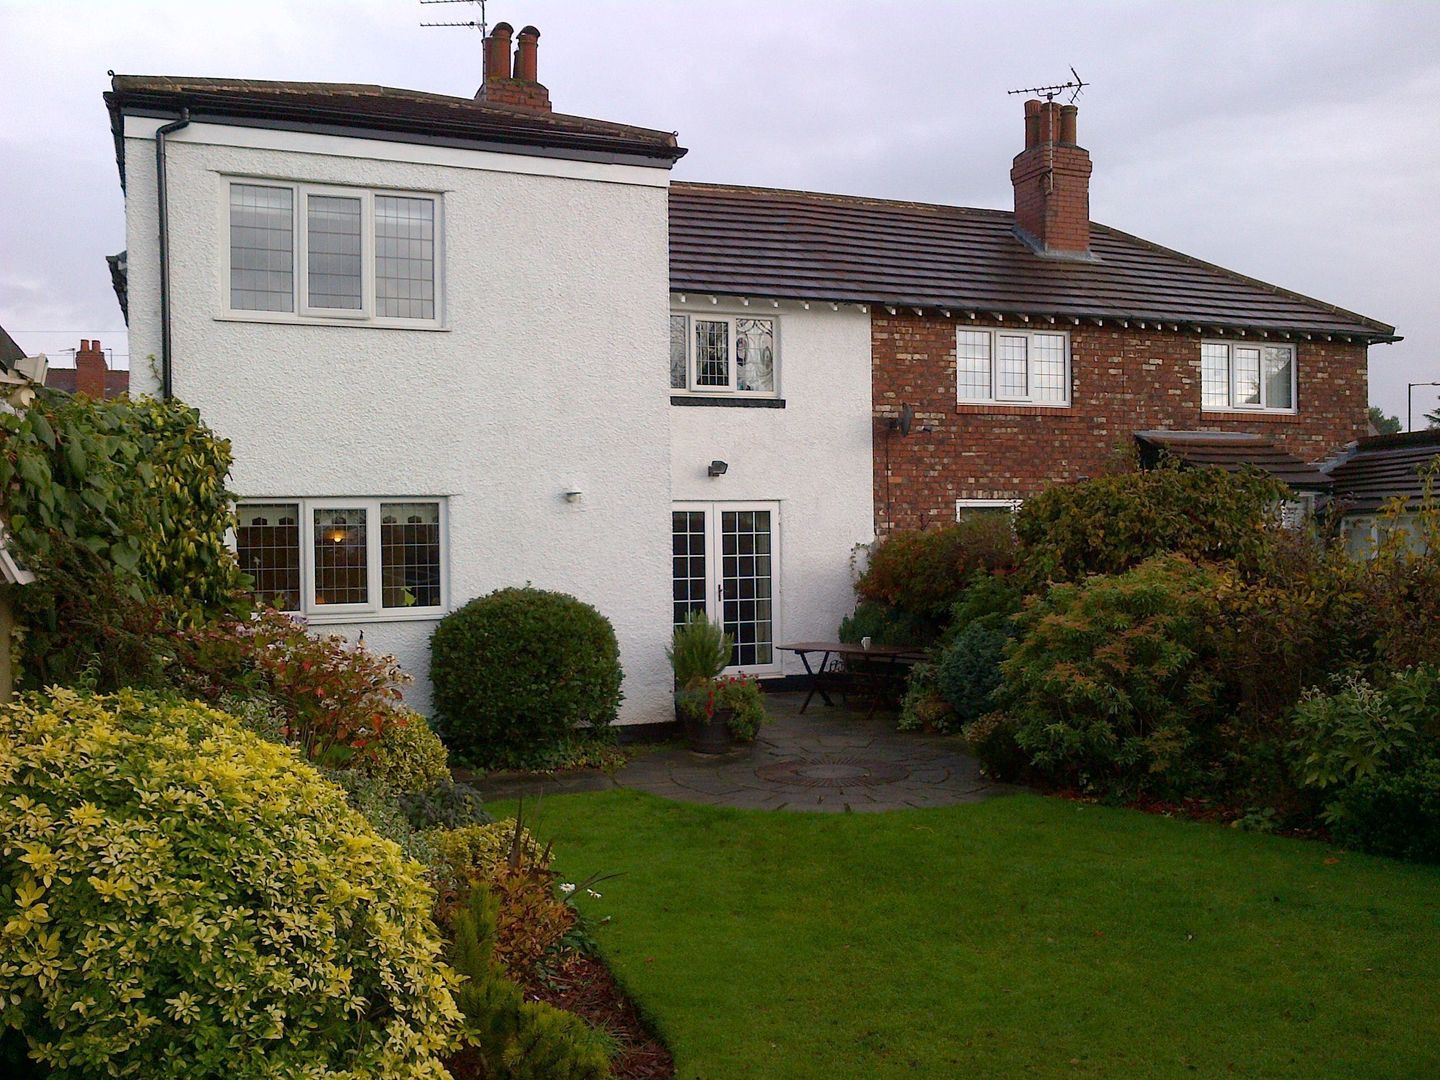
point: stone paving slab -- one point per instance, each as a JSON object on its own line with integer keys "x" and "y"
{"x": 829, "y": 760}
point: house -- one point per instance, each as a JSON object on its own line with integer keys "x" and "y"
{"x": 1380, "y": 474}
{"x": 90, "y": 375}
{"x": 432, "y": 328}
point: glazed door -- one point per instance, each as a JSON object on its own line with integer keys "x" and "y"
{"x": 725, "y": 558}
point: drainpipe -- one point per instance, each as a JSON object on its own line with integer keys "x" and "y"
{"x": 160, "y": 194}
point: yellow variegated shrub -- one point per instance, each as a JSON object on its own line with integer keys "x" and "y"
{"x": 408, "y": 757}
{"x": 181, "y": 898}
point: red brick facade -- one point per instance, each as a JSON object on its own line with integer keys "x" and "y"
{"x": 1123, "y": 381}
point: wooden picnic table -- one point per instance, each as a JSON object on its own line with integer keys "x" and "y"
{"x": 891, "y": 662}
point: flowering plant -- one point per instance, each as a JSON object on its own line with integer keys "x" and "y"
{"x": 739, "y": 695}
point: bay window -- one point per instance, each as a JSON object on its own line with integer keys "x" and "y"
{"x": 723, "y": 354}
{"x": 1235, "y": 375}
{"x": 1021, "y": 367}
{"x": 344, "y": 557}
{"x": 313, "y": 252}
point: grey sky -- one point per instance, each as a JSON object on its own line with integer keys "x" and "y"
{"x": 1296, "y": 142}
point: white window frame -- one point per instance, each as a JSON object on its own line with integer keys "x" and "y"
{"x": 1264, "y": 406}
{"x": 692, "y": 388}
{"x": 372, "y": 610}
{"x": 961, "y": 505}
{"x": 1027, "y": 400}
{"x": 714, "y": 609}
{"x": 302, "y": 311}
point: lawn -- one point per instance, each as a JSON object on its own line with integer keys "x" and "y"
{"x": 1023, "y": 935}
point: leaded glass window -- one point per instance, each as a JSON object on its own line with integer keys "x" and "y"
{"x": 262, "y": 248}
{"x": 404, "y": 257}
{"x": 267, "y": 547}
{"x": 712, "y": 353}
{"x": 679, "y": 333}
{"x": 410, "y": 554}
{"x": 755, "y": 355}
{"x": 332, "y": 253}
{"x": 341, "y": 556}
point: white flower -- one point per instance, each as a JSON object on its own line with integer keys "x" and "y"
{"x": 593, "y": 893}
{"x": 567, "y": 888}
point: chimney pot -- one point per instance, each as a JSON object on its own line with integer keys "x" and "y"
{"x": 497, "y": 52}
{"x": 90, "y": 369}
{"x": 1051, "y": 177}
{"x": 1032, "y": 123}
{"x": 1068, "y": 113}
{"x": 526, "y": 55}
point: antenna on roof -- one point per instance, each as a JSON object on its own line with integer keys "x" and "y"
{"x": 469, "y": 24}
{"x": 1075, "y": 85}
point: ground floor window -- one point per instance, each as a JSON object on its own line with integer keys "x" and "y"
{"x": 970, "y": 508}
{"x": 349, "y": 557}
{"x": 724, "y": 561}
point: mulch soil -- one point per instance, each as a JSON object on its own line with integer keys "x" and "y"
{"x": 583, "y": 985}
{"x": 1198, "y": 810}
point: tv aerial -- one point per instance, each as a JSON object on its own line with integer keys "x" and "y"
{"x": 469, "y": 24}
{"x": 1074, "y": 86}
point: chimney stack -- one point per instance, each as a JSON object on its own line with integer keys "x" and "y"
{"x": 1052, "y": 183}
{"x": 520, "y": 86}
{"x": 90, "y": 369}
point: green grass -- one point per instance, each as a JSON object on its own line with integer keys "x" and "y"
{"x": 1019, "y": 936}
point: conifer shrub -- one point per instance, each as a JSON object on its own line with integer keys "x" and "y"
{"x": 180, "y": 898}
{"x": 523, "y": 675}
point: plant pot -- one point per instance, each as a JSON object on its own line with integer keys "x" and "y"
{"x": 710, "y": 736}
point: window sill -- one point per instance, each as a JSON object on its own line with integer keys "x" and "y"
{"x": 1005, "y": 408}
{"x": 367, "y": 617}
{"x": 285, "y": 319}
{"x": 715, "y": 401}
{"x": 1264, "y": 416}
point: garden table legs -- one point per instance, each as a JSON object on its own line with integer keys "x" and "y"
{"x": 817, "y": 680}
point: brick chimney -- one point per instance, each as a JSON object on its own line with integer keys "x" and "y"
{"x": 1052, "y": 183}
{"x": 90, "y": 370}
{"x": 519, "y": 86}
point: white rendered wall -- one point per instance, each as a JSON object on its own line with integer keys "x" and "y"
{"x": 556, "y": 294}
{"x": 813, "y": 457}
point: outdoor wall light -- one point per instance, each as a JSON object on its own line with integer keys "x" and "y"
{"x": 718, "y": 468}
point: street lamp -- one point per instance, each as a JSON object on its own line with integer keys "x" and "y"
{"x": 1409, "y": 409}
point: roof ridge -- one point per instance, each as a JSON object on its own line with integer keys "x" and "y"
{"x": 839, "y": 197}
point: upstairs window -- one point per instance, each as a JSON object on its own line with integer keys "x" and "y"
{"x": 313, "y": 252}
{"x": 1247, "y": 376}
{"x": 723, "y": 354}
{"x": 359, "y": 558}
{"x": 1020, "y": 367}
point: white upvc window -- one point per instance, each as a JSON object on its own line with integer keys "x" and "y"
{"x": 1012, "y": 367}
{"x": 981, "y": 507}
{"x": 345, "y": 558}
{"x": 724, "y": 354}
{"x": 311, "y": 252}
{"x": 1247, "y": 375}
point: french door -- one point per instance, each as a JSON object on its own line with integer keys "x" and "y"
{"x": 725, "y": 558}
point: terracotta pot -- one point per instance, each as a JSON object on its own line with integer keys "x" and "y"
{"x": 710, "y": 736}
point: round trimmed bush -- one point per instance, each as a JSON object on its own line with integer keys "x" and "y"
{"x": 520, "y": 674}
{"x": 408, "y": 757}
{"x": 181, "y": 898}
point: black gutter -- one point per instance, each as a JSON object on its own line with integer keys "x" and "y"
{"x": 160, "y": 195}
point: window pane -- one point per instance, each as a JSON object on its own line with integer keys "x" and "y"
{"x": 1247, "y": 376}
{"x": 1214, "y": 375}
{"x": 712, "y": 353}
{"x": 1047, "y": 368}
{"x": 267, "y": 546}
{"x": 341, "y": 556}
{"x": 410, "y": 554}
{"x": 972, "y": 364}
{"x": 404, "y": 257}
{"x": 755, "y": 354}
{"x": 333, "y": 252}
{"x": 687, "y": 540}
{"x": 678, "y": 330}
{"x": 262, "y": 248}
{"x": 1279, "y": 372}
{"x": 1012, "y": 382}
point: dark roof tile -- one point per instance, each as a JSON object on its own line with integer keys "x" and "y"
{"x": 1382, "y": 468}
{"x": 1232, "y": 452}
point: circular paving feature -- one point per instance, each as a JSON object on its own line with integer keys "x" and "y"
{"x": 833, "y": 770}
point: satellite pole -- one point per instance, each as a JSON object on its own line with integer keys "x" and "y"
{"x": 1075, "y": 85}
{"x": 469, "y": 24}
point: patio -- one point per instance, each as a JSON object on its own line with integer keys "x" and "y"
{"x": 830, "y": 760}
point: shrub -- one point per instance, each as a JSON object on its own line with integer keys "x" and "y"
{"x": 1358, "y": 731}
{"x": 508, "y": 1038}
{"x": 743, "y": 697}
{"x": 968, "y": 670}
{"x": 408, "y": 758}
{"x": 1396, "y": 813}
{"x": 1108, "y": 524}
{"x": 1110, "y": 682}
{"x": 471, "y": 853}
{"x": 921, "y": 572}
{"x": 988, "y": 596}
{"x": 179, "y": 897}
{"x": 447, "y": 805}
{"x": 699, "y": 649}
{"x": 922, "y": 708}
{"x": 992, "y": 739}
{"x": 520, "y": 673}
{"x": 884, "y": 626}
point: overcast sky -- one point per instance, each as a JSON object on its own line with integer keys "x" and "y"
{"x": 1295, "y": 142}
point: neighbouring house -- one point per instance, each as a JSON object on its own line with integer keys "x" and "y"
{"x": 90, "y": 375}
{"x": 1377, "y": 474}
{"x": 1233, "y": 451}
{"x": 433, "y": 328}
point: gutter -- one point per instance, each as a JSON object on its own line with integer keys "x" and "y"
{"x": 160, "y": 195}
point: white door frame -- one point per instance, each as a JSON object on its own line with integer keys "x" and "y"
{"x": 713, "y": 554}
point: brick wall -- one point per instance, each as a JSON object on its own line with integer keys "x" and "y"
{"x": 1123, "y": 381}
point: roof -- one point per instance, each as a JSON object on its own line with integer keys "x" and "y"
{"x": 1382, "y": 468}
{"x": 1231, "y": 451}
{"x": 119, "y": 264}
{"x": 9, "y": 351}
{"x": 117, "y": 381}
{"x": 386, "y": 113}
{"x": 802, "y": 245}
